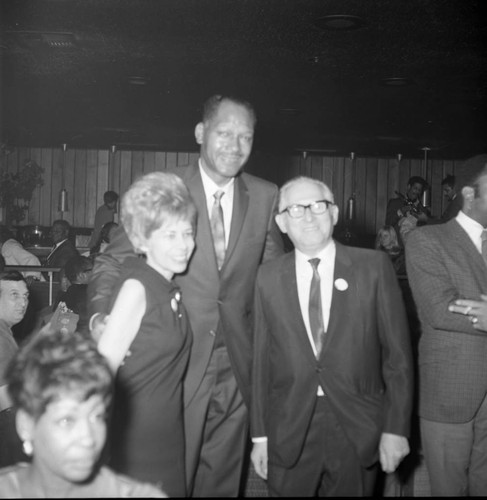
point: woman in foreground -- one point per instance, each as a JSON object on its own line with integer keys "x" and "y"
{"x": 62, "y": 387}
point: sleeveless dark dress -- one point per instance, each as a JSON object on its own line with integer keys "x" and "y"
{"x": 146, "y": 432}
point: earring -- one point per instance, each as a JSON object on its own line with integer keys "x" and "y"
{"x": 27, "y": 447}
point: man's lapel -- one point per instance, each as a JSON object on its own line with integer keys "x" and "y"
{"x": 240, "y": 206}
{"x": 288, "y": 286}
{"x": 204, "y": 240}
{"x": 344, "y": 301}
{"x": 474, "y": 260}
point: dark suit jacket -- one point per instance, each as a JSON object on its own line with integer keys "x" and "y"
{"x": 452, "y": 209}
{"x": 443, "y": 265}
{"x": 215, "y": 301}
{"x": 61, "y": 255}
{"x": 365, "y": 366}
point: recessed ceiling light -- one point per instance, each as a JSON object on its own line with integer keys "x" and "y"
{"x": 137, "y": 80}
{"x": 288, "y": 111}
{"x": 339, "y": 22}
{"x": 396, "y": 82}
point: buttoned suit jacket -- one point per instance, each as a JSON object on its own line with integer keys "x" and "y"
{"x": 443, "y": 265}
{"x": 365, "y": 366}
{"x": 218, "y": 302}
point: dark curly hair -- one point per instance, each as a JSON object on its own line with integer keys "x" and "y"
{"x": 54, "y": 364}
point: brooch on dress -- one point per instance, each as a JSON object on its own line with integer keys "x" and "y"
{"x": 175, "y": 304}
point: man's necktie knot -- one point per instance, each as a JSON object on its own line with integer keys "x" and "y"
{"x": 218, "y": 228}
{"x": 314, "y": 263}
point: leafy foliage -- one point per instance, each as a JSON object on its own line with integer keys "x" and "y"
{"x": 16, "y": 189}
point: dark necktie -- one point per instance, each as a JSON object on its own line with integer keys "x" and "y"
{"x": 218, "y": 229}
{"x": 315, "y": 308}
{"x": 484, "y": 245}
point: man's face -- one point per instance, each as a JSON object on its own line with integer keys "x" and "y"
{"x": 68, "y": 437}
{"x": 58, "y": 233}
{"x": 226, "y": 141}
{"x": 310, "y": 233}
{"x": 479, "y": 204}
{"x": 415, "y": 191}
{"x": 169, "y": 248}
{"x": 448, "y": 191}
{"x": 14, "y": 298}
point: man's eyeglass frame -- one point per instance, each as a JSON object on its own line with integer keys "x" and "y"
{"x": 318, "y": 207}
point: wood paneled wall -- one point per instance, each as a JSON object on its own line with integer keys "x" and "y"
{"x": 89, "y": 173}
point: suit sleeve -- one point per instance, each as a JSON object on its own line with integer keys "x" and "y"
{"x": 432, "y": 284}
{"x": 397, "y": 361}
{"x": 274, "y": 245}
{"x": 106, "y": 271}
{"x": 260, "y": 368}
{"x": 391, "y": 213}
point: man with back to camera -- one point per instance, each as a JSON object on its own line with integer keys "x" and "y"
{"x": 448, "y": 278}
{"x": 332, "y": 380}
{"x": 104, "y": 214}
{"x": 217, "y": 291}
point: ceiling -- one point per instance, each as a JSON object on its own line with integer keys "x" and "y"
{"x": 134, "y": 73}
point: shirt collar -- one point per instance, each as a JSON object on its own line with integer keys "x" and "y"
{"x": 209, "y": 184}
{"x": 471, "y": 226}
{"x": 61, "y": 242}
{"x": 327, "y": 254}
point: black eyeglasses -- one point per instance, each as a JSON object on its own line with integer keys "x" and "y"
{"x": 316, "y": 208}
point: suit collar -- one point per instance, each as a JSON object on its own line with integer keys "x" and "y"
{"x": 240, "y": 206}
{"x": 344, "y": 299}
{"x": 192, "y": 178}
{"x": 289, "y": 287}
{"x": 453, "y": 231}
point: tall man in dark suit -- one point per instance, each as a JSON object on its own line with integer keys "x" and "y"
{"x": 332, "y": 378}
{"x": 217, "y": 290}
{"x": 447, "y": 273}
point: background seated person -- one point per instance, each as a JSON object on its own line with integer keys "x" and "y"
{"x": 16, "y": 255}
{"x": 77, "y": 270}
{"x": 62, "y": 388}
{"x": 388, "y": 242}
{"x": 408, "y": 205}
{"x": 63, "y": 248}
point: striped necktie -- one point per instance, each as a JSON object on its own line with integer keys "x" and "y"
{"x": 218, "y": 229}
{"x": 315, "y": 308}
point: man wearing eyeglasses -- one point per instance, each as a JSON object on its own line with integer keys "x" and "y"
{"x": 332, "y": 376}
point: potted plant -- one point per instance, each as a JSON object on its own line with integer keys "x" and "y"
{"x": 16, "y": 190}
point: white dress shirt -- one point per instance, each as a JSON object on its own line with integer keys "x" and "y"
{"x": 226, "y": 201}
{"x": 304, "y": 275}
{"x": 472, "y": 228}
